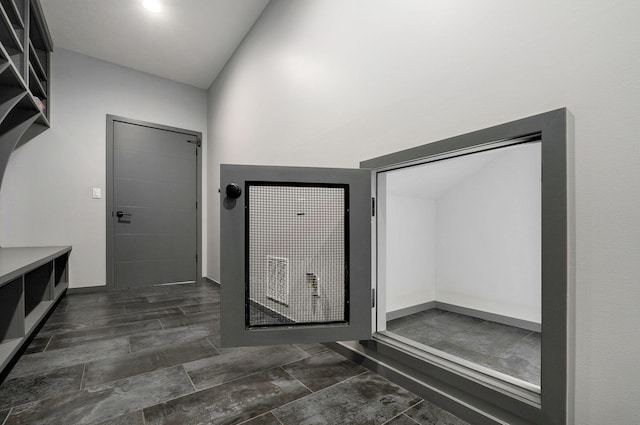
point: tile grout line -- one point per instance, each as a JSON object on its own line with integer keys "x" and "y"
{"x": 319, "y": 391}
{"x": 84, "y": 367}
{"x": 404, "y": 412}
{"x": 276, "y": 416}
{"x": 48, "y": 342}
{"x": 302, "y": 383}
{"x": 195, "y": 390}
{"x": 8, "y": 414}
{"x": 213, "y": 345}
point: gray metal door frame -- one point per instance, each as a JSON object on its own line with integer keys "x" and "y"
{"x": 197, "y": 137}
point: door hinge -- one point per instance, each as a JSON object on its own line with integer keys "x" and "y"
{"x": 196, "y": 258}
{"x": 373, "y": 207}
{"x": 196, "y": 204}
{"x": 373, "y": 297}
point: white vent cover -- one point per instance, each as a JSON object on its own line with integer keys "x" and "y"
{"x": 278, "y": 284}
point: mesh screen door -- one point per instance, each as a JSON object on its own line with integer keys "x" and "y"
{"x": 296, "y": 252}
{"x": 297, "y": 255}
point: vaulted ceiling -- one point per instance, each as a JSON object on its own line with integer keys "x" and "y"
{"x": 189, "y": 41}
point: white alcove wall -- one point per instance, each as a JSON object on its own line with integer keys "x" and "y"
{"x": 489, "y": 236}
{"x": 465, "y": 232}
{"x": 410, "y": 272}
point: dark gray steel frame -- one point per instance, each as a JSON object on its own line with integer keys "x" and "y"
{"x": 247, "y": 269}
{"x": 454, "y": 391}
{"x": 111, "y": 119}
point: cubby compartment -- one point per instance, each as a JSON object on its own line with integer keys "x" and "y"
{"x": 32, "y": 279}
{"x": 25, "y": 69}
{"x": 11, "y": 317}
{"x": 12, "y": 328}
{"x": 38, "y": 292}
{"x": 60, "y": 273}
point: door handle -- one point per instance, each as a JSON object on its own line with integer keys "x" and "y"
{"x": 233, "y": 190}
{"x": 121, "y": 214}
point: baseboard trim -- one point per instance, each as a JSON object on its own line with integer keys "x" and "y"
{"x": 493, "y": 317}
{"x": 479, "y": 314}
{"x": 211, "y": 281}
{"x": 87, "y": 290}
{"x": 407, "y": 311}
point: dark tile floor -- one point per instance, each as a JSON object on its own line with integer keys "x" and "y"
{"x": 153, "y": 356}
{"x": 506, "y": 349}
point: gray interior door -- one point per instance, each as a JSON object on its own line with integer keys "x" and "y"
{"x": 154, "y": 206}
{"x": 295, "y": 255}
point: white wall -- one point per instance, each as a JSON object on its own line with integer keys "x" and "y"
{"x": 488, "y": 237}
{"x": 410, "y": 234}
{"x": 333, "y": 83}
{"x": 46, "y": 192}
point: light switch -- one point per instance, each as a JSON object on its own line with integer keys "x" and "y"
{"x": 97, "y": 193}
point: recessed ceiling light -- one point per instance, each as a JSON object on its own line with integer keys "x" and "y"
{"x": 152, "y": 6}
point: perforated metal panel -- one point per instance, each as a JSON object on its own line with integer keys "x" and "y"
{"x": 297, "y": 254}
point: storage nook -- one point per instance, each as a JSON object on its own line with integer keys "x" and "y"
{"x": 25, "y": 50}
{"x": 32, "y": 280}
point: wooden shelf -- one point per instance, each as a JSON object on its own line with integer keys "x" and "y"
{"x": 34, "y": 60}
{"x": 25, "y": 50}
{"x": 13, "y": 12}
{"x": 8, "y": 349}
{"x": 35, "y": 86}
{"x": 32, "y": 280}
{"x": 9, "y": 36}
{"x": 37, "y": 314}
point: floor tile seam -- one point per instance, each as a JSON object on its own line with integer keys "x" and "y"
{"x": 238, "y": 378}
{"x": 195, "y": 390}
{"x": 306, "y": 352}
{"x": 84, "y": 368}
{"x": 73, "y": 344}
{"x": 47, "y": 344}
{"x": 397, "y": 416}
{"x": 145, "y": 406}
{"x": 93, "y": 329}
{"x": 213, "y": 345}
{"x": 146, "y": 352}
{"x": 252, "y": 418}
{"x": 17, "y": 406}
{"x": 295, "y": 378}
{"x": 7, "y": 417}
{"x": 325, "y": 388}
{"x": 272, "y": 411}
{"x": 404, "y": 412}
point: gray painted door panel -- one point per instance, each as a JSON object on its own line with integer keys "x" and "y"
{"x": 295, "y": 255}
{"x": 155, "y": 181}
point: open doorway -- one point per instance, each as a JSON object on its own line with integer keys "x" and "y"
{"x": 459, "y": 243}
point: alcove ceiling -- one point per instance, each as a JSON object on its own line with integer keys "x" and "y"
{"x": 189, "y": 41}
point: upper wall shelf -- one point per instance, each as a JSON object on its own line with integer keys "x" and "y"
{"x": 25, "y": 67}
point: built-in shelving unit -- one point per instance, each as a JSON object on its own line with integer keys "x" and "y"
{"x": 25, "y": 53}
{"x": 32, "y": 280}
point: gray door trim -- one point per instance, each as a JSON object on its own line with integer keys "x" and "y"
{"x": 555, "y": 131}
{"x": 197, "y": 138}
